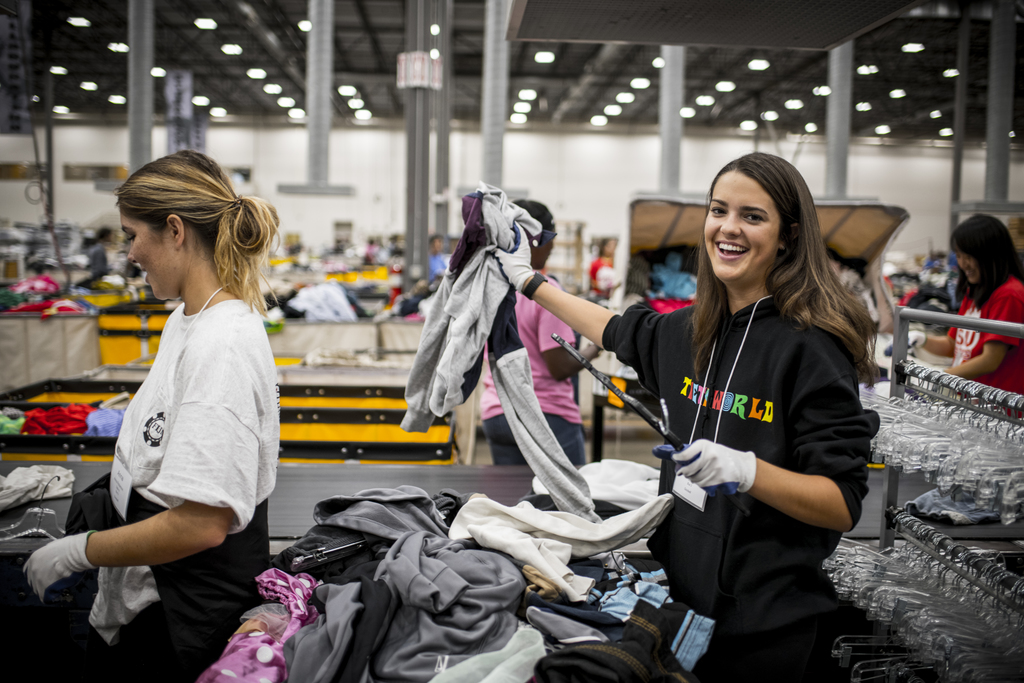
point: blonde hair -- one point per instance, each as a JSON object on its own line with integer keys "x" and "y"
{"x": 805, "y": 288}
{"x": 239, "y": 232}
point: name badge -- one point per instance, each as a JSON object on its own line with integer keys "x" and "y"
{"x": 120, "y": 487}
{"x": 690, "y": 492}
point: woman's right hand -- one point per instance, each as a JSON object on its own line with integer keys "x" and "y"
{"x": 515, "y": 264}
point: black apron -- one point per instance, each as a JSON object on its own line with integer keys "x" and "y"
{"x": 203, "y": 595}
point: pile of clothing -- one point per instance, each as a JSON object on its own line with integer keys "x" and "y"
{"x": 74, "y": 418}
{"x": 455, "y": 588}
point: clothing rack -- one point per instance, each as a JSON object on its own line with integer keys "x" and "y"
{"x": 965, "y": 394}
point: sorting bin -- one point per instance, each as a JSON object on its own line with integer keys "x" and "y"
{"x": 319, "y": 424}
{"x": 129, "y": 331}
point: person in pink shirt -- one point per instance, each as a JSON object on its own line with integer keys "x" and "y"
{"x": 551, "y": 366}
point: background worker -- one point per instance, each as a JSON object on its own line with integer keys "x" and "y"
{"x": 551, "y": 366}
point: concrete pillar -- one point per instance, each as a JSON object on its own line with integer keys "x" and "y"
{"x": 999, "y": 121}
{"x": 963, "y": 53}
{"x": 837, "y": 119}
{"x": 417, "y": 134}
{"x": 319, "y": 81}
{"x": 495, "y": 90}
{"x": 443, "y": 114}
{"x": 670, "y": 124}
{"x": 140, "y": 84}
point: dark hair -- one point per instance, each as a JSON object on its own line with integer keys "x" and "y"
{"x": 987, "y": 240}
{"x": 805, "y": 288}
{"x": 237, "y": 231}
{"x": 102, "y": 234}
{"x": 538, "y": 211}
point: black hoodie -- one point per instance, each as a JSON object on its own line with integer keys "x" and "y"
{"x": 793, "y": 401}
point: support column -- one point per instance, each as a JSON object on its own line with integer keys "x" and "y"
{"x": 140, "y": 84}
{"x": 495, "y": 90}
{"x": 443, "y": 114}
{"x": 50, "y": 174}
{"x": 417, "y": 158}
{"x": 963, "y": 53}
{"x": 999, "y": 121}
{"x": 671, "y": 84}
{"x": 319, "y": 80}
{"x": 837, "y": 119}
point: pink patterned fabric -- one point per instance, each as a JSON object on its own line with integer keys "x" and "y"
{"x": 257, "y": 656}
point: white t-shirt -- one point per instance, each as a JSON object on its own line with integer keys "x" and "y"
{"x": 203, "y": 427}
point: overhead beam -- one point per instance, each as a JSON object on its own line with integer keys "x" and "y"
{"x": 594, "y": 74}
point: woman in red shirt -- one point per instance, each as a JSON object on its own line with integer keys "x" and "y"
{"x": 990, "y": 286}
{"x": 601, "y": 280}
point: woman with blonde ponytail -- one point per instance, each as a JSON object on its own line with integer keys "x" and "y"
{"x": 179, "y": 530}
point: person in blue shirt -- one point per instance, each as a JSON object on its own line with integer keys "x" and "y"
{"x": 438, "y": 261}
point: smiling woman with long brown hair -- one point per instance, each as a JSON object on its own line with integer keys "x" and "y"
{"x": 760, "y": 377}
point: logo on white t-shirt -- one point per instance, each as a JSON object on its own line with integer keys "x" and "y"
{"x": 153, "y": 432}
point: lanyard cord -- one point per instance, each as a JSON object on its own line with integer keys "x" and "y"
{"x": 735, "y": 362}
{"x": 193, "y": 321}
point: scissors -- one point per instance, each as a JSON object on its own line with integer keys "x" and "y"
{"x": 660, "y": 424}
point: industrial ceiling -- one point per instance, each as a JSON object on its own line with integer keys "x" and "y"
{"x": 369, "y": 35}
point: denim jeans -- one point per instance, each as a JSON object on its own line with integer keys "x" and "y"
{"x": 504, "y": 450}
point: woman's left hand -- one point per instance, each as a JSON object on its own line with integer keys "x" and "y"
{"x": 710, "y": 465}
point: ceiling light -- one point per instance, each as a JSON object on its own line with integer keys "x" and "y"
{"x": 863, "y": 106}
{"x": 35, "y": 98}
{"x": 867, "y": 69}
{"x": 599, "y": 120}
{"x": 658, "y": 62}
{"x": 256, "y": 73}
{"x": 528, "y": 94}
{"x": 117, "y": 99}
{"x": 748, "y": 125}
{"x": 296, "y": 113}
{"x": 206, "y": 24}
{"x": 935, "y": 114}
{"x": 435, "y": 29}
{"x": 951, "y": 73}
{"x": 305, "y": 25}
{"x": 897, "y": 93}
{"x": 522, "y": 107}
{"x": 1013, "y": 134}
{"x": 883, "y": 129}
{"x": 758, "y": 64}
{"x": 517, "y": 118}
{"x": 705, "y": 100}
{"x": 80, "y": 22}
{"x": 364, "y": 115}
{"x": 218, "y": 112}
{"x": 544, "y": 57}
{"x": 770, "y": 115}
{"x": 231, "y": 49}
{"x": 613, "y": 110}
{"x": 640, "y": 83}
{"x": 347, "y": 90}
{"x": 811, "y": 127}
{"x": 435, "y": 53}
{"x": 59, "y": 109}
{"x": 201, "y": 100}
{"x": 794, "y": 104}
{"x": 725, "y": 86}
{"x": 285, "y": 102}
{"x": 88, "y": 85}
{"x": 58, "y": 70}
{"x": 157, "y": 72}
{"x": 117, "y": 47}
{"x": 687, "y": 112}
{"x": 946, "y": 132}
{"x": 912, "y": 47}
{"x": 822, "y": 91}
{"x": 273, "y": 89}
{"x": 625, "y": 97}
{"x": 356, "y": 103}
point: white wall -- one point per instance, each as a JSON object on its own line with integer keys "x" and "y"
{"x": 581, "y": 176}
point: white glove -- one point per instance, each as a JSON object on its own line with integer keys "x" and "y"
{"x": 916, "y": 338}
{"x": 55, "y": 561}
{"x": 515, "y": 264}
{"x": 711, "y": 465}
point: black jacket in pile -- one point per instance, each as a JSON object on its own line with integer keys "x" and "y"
{"x": 793, "y": 400}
